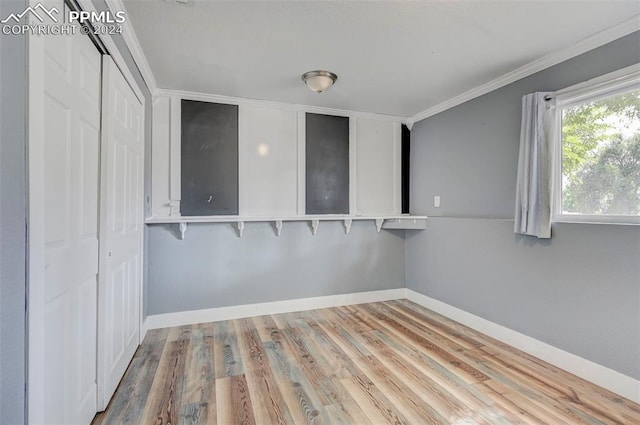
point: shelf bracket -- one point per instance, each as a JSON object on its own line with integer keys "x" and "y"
{"x": 240, "y": 227}
{"x": 181, "y": 230}
{"x": 278, "y": 224}
{"x": 379, "y": 222}
{"x": 314, "y": 226}
{"x": 347, "y": 225}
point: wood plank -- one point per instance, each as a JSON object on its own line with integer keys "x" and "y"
{"x": 312, "y": 365}
{"x": 441, "y": 375}
{"x": 331, "y": 357}
{"x": 228, "y": 361}
{"x": 233, "y": 402}
{"x": 298, "y": 393}
{"x": 374, "y": 404}
{"x": 540, "y": 412}
{"x": 198, "y": 400}
{"x": 265, "y": 325}
{"x": 397, "y": 391}
{"x": 346, "y": 413}
{"x": 269, "y": 406}
{"x": 501, "y": 395}
{"x": 445, "y": 403}
{"x": 545, "y": 398}
{"x": 355, "y": 382}
{"x": 444, "y": 326}
{"x": 162, "y": 406}
{"x": 574, "y": 389}
{"x": 129, "y": 401}
{"x": 444, "y": 357}
{"x": 435, "y": 331}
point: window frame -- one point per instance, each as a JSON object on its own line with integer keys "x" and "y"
{"x": 598, "y": 88}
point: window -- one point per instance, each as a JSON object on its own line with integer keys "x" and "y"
{"x": 597, "y": 176}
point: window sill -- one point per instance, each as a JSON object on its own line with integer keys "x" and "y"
{"x": 597, "y": 219}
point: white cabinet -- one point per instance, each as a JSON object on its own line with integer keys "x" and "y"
{"x": 268, "y": 139}
{"x": 271, "y": 161}
{"x": 378, "y": 167}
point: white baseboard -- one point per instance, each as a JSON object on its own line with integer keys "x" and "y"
{"x": 586, "y": 369}
{"x": 250, "y": 310}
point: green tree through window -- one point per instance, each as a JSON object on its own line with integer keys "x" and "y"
{"x": 601, "y": 156}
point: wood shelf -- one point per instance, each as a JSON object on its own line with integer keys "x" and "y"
{"x": 397, "y": 222}
{"x": 406, "y": 223}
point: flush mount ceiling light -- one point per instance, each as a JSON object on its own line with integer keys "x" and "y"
{"x": 319, "y": 81}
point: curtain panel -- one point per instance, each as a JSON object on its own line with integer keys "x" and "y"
{"x": 533, "y": 189}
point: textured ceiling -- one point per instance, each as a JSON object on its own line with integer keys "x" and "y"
{"x": 391, "y": 57}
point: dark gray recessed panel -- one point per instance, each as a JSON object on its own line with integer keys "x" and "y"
{"x": 327, "y": 164}
{"x": 209, "y": 159}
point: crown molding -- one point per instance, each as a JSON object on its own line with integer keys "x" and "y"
{"x": 131, "y": 40}
{"x": 205, "y": 97}
{"x": 554, "y": 58}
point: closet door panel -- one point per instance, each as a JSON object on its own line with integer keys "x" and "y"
{"x": 121, "y": 230}
{"x": 64, "y": 195}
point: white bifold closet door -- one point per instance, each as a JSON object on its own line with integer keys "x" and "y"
{"x": 121, "y": 229}
{"x": 67, "y": 101}
{"x": 85, "y": 227}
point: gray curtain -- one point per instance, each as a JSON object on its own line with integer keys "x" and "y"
{"x": 533, "y": 190}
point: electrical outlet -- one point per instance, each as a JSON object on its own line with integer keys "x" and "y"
{"x": 436, "y": 201}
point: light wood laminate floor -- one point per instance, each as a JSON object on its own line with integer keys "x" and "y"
{"x": 380, "y": 363}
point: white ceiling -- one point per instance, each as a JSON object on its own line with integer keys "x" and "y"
{"x": 392, "y": 57}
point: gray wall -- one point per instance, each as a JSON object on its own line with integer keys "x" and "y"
{"x": 580, "y": 291}
{"x": 213, "y": 267}
{"x": 13, "y": 89}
